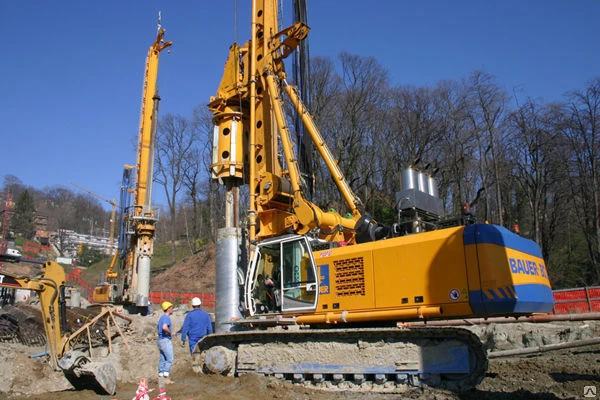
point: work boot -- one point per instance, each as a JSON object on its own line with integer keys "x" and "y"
{"x": 162, "y": 395}
{"x": 167, "y": 380}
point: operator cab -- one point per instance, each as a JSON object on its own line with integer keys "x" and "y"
{"x": 282, "y": 277}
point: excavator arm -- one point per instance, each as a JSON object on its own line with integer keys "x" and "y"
{"x": 50, "y": 286}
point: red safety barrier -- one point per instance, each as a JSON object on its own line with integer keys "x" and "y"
{"x": 155, "y": 297}
{"x": 85, "y": 289}
{"x": 567, "y": 301}
{"x": 33, "y": 247}
{"x": 577, "y": 300}
{"x": 174, "y": 297}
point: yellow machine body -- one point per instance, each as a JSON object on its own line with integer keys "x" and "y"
{"x": 457, "y": 272}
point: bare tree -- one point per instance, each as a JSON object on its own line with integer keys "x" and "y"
{"x": 583, "y": 133}
{"x": 325, "y": 89}
{"x": 52, "y": 205}
{"x": 488, "y": 101}
{"x": 456, "y": 161}
{"x": 357, "y": 105}
{"x": 535, "y": 144}
{"x": 175, "y": 141}
{"x": 13, "y": 185}
{"x": 415, "y": 127}
{"x": 192, "y": 175}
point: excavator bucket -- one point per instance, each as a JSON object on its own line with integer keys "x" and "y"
{"x": 84, "y": 373}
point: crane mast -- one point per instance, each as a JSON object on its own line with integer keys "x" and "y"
{"x": 252, "y": 144}
{"x": 248, "y": 114}
{"x": 148, "y": 122}
{"x": 142, "y": 219}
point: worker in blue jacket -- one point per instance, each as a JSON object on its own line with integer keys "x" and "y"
{"x": 196, "y": 325}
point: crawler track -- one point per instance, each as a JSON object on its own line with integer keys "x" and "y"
{"x": 22, "y": 325}
{"x": 374, "y": 360}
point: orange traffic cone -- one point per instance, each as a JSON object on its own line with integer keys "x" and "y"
{"x": 142, "y": 391}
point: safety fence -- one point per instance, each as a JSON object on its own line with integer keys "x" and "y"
{"x": 85, "y": 290}
{"x": 567, "y": 301}
{"x": 157, "y": 297}
{"x": 577, "y": 300}
{"x": 34, "y": 248}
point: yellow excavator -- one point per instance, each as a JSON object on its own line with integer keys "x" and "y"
{"x": 50, "y": 285}
{"x": 129, "y": 282}
{"x": 314, "y": 296}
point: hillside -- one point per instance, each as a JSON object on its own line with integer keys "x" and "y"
{"x": 195, "y": 273}
{"x": 191, "y": 273}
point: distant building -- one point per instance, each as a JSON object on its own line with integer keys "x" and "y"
{"x": 68, "y": 242}
{"x": 43, "y": 237}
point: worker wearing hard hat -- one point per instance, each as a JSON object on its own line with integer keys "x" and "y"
{"x": 196, "y": 325}
{"x": 165, "y": 346}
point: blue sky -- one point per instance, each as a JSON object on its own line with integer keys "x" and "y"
{"x": 71, "y": 71}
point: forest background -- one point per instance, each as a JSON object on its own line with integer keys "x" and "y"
{"x": 511, "y": 160}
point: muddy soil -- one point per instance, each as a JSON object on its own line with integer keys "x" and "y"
{"x": 562, "y": 374}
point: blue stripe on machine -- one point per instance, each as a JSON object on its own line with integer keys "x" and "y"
{"x": 494, "y": 234}
{"x": 503, "y": 293}
{"x": 493, "y": 295}
{"x": 511, "y": 290}
{"x": 530, "y": 298}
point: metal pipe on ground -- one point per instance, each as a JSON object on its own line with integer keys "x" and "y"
{"x": 544, "y": 348}
{"x": 506, "y": 320}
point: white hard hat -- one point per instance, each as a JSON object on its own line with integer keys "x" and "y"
{"x": 196, "y": 302}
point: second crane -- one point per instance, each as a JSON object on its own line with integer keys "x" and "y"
{"x": 131, "y": 283}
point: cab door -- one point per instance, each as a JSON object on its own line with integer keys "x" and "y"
{"x": 298, "y": 276}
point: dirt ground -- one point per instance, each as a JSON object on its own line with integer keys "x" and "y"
{"x": 562, "y": 374}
